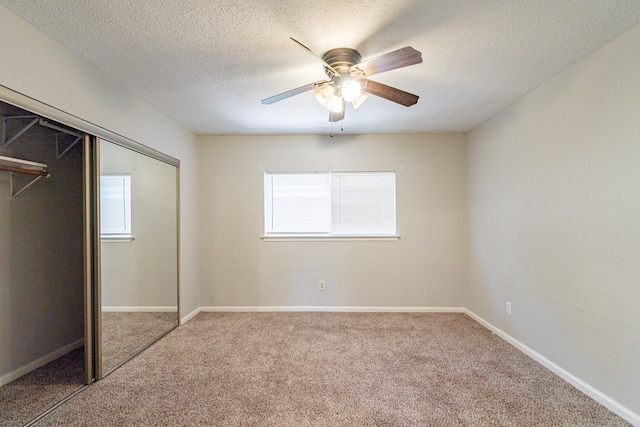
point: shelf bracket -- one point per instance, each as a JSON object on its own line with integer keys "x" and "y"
{"x": 8, "y": 140}
{"x": 59, "y": 153}
{"x": 13, "y": 195}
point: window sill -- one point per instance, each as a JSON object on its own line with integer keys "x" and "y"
{"x": 316, "y": 238}
{"x": 116, "y": 239}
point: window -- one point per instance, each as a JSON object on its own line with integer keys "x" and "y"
{"x": 328, "y": 204}
{"x": 115, "y": 206}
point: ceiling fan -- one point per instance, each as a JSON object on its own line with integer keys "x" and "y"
{"x": 348, "y": 79}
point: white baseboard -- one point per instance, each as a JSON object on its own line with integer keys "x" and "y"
{"x": 139, "y": 309}
{"x": 346, "y": 309}
{"x": 39, "y": 362}
{"x": 190, "y": 316}
{"x": 587, "y": 389}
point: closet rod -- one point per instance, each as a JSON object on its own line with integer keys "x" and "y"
{"x": 21, "y": 170}
{"x": 45, "y": 123}
{"x": 13, "y": 165}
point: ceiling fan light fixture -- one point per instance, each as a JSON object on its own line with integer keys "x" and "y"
{"x": 359, "y": 100}
{"x": 324, "y": 93}
{"x": 336, "y": 104}
{"x": 350, "y": 90}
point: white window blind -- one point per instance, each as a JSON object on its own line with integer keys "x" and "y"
{"x": 297, "y": 203}
{"x": 330, "y": 203}
{"x": 115, "y": 205}
{"x": 363, "y": 203}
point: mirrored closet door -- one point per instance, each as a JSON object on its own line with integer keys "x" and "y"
{"x": 89, "y": 244}
{"x": 138, "y": 251}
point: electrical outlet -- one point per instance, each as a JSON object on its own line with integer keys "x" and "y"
{"x": 321, "y": 285}
{"x": 508, "y": 307}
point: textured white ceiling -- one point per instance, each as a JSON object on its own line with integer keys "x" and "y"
{"x": 207, "y": 64}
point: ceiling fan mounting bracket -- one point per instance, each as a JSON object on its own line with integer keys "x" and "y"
{"x": 341, "y": 59}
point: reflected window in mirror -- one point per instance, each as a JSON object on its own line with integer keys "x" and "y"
{"x": 115, "y": 207}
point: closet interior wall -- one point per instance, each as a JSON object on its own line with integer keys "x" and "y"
{"x": 41, "y": 242}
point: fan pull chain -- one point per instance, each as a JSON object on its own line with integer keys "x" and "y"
{"x": 331, "y": 128}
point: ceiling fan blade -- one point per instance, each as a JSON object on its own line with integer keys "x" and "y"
{"x": 389, "y": 61}
{"x": 292, "y": 92}
{"x": 387, "y": 92}
{"x": 317, "y": 57}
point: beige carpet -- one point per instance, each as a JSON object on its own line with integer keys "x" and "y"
{"x": 126, "y": 333}
{"x": 331, "y": 369}
{"x": 32, "y": 394}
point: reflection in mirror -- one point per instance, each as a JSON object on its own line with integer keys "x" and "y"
{"x": 139, "y": 252}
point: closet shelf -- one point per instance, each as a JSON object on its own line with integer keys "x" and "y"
{"x": 13, "y": 165}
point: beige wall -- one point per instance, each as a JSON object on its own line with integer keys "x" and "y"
{"x": 554, "y": 220}
{"x": 35, "y": 65}
{"x": 425, "y": 268}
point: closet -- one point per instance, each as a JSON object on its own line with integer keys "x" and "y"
{"x": 76, "y": 300}
{"x": 41, "y": 264}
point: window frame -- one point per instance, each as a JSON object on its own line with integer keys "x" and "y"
{"x": 327, "y": 236}
{"x": 125, "y": 235}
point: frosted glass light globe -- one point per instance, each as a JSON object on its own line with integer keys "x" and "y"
{"x": 351, "y": 90}
{"x": 335, "y": 104}
{"x": 324, "y": 93}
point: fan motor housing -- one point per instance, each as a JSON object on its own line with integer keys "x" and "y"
{"x": 341, "y": 59}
